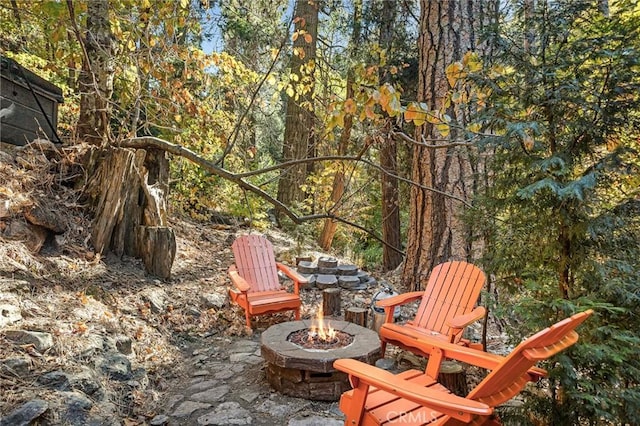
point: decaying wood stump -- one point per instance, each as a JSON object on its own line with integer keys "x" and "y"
{"x": 129, "y": 191}
{"x": 331, "y": 302}
{"x": 453, "y": 377}
{"x": 356, "y": 316}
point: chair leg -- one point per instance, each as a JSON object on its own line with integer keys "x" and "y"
{"x": 297, "y": 314}
{"x": 248, "y": 318}
{"x": 383, "y": 348}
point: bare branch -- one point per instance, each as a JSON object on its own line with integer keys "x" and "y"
{"x": 424, "y": 143}
{"x": 348, "y": 158}
{"x": 149, "y": 141}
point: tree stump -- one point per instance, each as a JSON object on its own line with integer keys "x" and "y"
{"x": 157, "y": 248}
{"x": 129, "y": 192}
{"x": 357, "y": 316}
{"x": 453, "y": 377}
{"x": 331, "y": 302}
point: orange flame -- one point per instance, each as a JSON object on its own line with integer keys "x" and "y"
{"x": 322, "y": 332}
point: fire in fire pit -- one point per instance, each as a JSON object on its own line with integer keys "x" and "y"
{"x": 320, "y": 336}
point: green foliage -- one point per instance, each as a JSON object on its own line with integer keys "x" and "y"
{"x": 560, "y": 213}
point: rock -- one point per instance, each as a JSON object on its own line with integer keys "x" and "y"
{"x": 385, "y": 364}
{"x": 41, "y": 341}
{"x": 199, "y": 387}
{"x": 123, "y": 344}
{"x": 315, "y": 421}
{"x": 159, "y": 420}
{"x": 17, "y": 367}
{"x": 349, "y": 282}
{"x": 156, "y": 300}
{"x": 227, "y": 413}
{"x": 25, "y": 414}
{"x": 246, "y": 358}
{"x": 93, "y": 344}
{"x": 350, "y": 270}
{"x": 363, "y": 276}
{"x": 327, "y": 262}
{"x": 9, "y": 313}
{"x": 55, "y": 380}
{"x": 326, "y": 281}
{"x": 311, "y": 281}
{"x": 214, "y": 300}
{"x": 211, "y": 395}
{"x": 328, "y": 271}
{"x": 307, "y": 268}
{"x": 188, "y": 407}
{"x": 116, "y": 366}
{"x": 76, "y": 409}
{"x": 86, "y": 382}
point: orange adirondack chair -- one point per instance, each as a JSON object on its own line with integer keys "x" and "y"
{"x": 415, "y": 398}
{"x": 445, "y": 310}
{"x": 255, "y": 277}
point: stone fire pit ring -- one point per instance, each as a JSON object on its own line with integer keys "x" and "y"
{"x": 309, "y": 373}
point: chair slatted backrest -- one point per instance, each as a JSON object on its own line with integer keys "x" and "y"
{"x": 510, "y": 377}
{"x": 256, "y": 263}
{"x": 452, "y": 290}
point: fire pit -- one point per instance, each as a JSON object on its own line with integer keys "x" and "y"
{"x": 298, "y": 365}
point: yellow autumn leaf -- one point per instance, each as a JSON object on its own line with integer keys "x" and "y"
{"x": 146, "y": 4}
{"x": 369, "y": 112}
{"x": 453, "y": 73}
{"x": 474, "y": 127}
{"x": 184, "y": 3}
{"x": 414, "y": 113}
{"x": 177, "y": 118}
{"x": 349, "y": 106}
{"x": 472, "y": 62}
{"x": 394, "y": 107}
{"x": 433, "y": 118}
{"x": 289, "y": 91}
{"x": 295, "y": 35}
{"x": 443, "y": 129}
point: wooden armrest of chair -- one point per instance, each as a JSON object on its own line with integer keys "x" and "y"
{"x": 401, "y": 299}
{"x": 240, "y": 283}
{"x": 294, "y": 275}
{"x": 462, "y": 321}
{"x": 467, "y": 355}
{"x": 452, "y": 405}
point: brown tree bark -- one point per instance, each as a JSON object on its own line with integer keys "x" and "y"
{"x": 129, "y": 192}
{"x": 448, "y": 29}
{"x": 299, "y": 137}
{"x": 96, "y": 78}
{"x": 388, "y": 157}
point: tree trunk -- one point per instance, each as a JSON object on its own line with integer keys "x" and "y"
{"x": 330, "y": 226}
{"x": 436, "y": 232}
{"x": 388, "y": 157}
{"x": 96, "y": 78}
{"x": 390, "y": 205}
{"x": 300, "y": 120}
